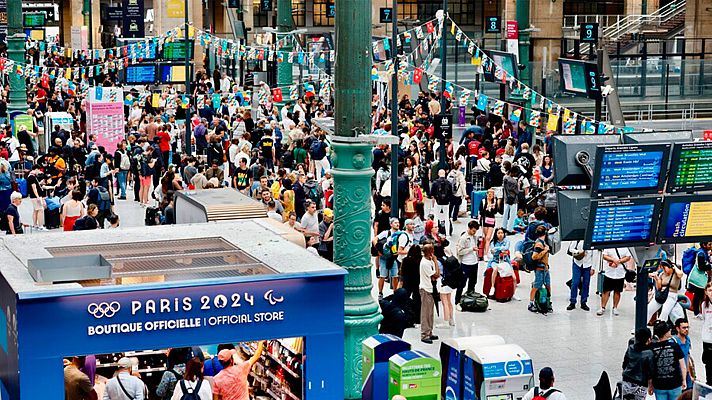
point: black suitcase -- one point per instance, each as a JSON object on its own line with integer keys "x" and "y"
{"x": 51, "y": 218}
{"x": 153, "y": 216}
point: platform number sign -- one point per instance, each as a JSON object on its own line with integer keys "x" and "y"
{"x": 589, "y": 32}
{"x": 493, "y": 25}
{"x": 330, "y": 9}
{"x": 265, "y": 5}
{"x": 593, "y": 81}
{"x": 443, "y": 126}
{"x": 386, "y": 14}
{"x": 233, "y": 4}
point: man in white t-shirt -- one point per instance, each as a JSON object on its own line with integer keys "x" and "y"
{"x": 405, "y": 242}
{"x": 614, "y": 268}
{"x": 581, "y": 273}
{"x": 546, "y": 387}
{"x": 310, "y": 221}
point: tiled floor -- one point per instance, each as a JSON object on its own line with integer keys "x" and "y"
{"x": 578, "y": 345}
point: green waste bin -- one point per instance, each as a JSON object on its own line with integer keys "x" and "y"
{"x": 415, "y": 375}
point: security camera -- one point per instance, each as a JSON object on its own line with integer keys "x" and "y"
{"x": 607, "y": 90}
{"x": 583, "y": 160}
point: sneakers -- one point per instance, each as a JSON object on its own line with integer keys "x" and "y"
{"x": 444, "y": 325}
{"x": 615, "y": 312}
{"x": 532, "y": 307}
{"x": 585, "y": 307}
{"x": 571, "y": 306}
{"x": 600, "y": 311}
{"x": 452, "y": 322}
{"x": 515, "y": 297}
{"x": 700, "y": 317}
{"x": 427, "y": 341}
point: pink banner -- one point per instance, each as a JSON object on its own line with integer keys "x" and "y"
{"x": 106, "y": 121}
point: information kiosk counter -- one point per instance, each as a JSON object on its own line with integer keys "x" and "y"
{"x": 503, "y": 372}
{"x": 193, "y": 288}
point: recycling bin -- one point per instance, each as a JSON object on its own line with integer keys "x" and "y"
{"x": 452, "y": 356}
{"x": 414, "y": 375}
{"x": 376, "y": 351}
{"x": 503, "y": 372}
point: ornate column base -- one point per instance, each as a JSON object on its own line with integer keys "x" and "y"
{"x": 352, "y": 233}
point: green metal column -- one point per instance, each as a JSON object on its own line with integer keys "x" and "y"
{"x": 284, "y": 24}
{"x": 352, "y": 180}
{"x": 524, "y": 44}
{"x": 16, "y": 52}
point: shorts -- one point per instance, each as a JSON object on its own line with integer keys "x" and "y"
{"x": 541, "y": 278}
{"x": 38, "y": 204}
{"x": 387, "y": 268}
{"x": 613, "y": 285}
{"x": 498, "y": 192}
{"x": 146, "y": 180}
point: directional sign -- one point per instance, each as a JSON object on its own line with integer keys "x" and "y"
{"x": 386, "y": 14}
{"x": 442, "y": 124}
{"x": 493, "y": 24}
{"x": 233, "y": 4}
{"x": 589, "y": 32}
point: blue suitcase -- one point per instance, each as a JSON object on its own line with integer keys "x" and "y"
{"x": 476, "y": 196}
{"x": 22, "y": 186}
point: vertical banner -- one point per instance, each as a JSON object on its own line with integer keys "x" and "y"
{"x": 105, "y": 116}
{"x": 133, "y": 19}
{"x": 513, "y": 38}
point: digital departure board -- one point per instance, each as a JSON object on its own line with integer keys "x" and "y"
{"x": 175, "y": 51}
{"x": 630, "y": 169}
{"x": 140, "y": 74}
{"x": 691, "y": 167}
{"x": 622, "y": 222}
{"x": 173, "y": 73}
{"x": 686, "y": 219}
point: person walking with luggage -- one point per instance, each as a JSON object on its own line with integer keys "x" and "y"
{"x": 467, "y": 248}
{"x": 542, "y": 278}
{"x": 669, "y": 369}
{"x": 510, "y": 186}
{"x": 581, "y": 273}
{"x": 193, "y": 383}
{"x": 667, "y": 283}
{"x": 124, "y": 386}
{"x": 614, "y": 269}
{"x": 546, "y": 387}
{"x": 699, "y": 276}
{"x": 442, "y": 192}
{"x": 637, "y": 366}
{"x": 429, "y": 274}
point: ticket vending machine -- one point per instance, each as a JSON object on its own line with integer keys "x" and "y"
{"x": 414, "y": 375}
{"x": 452, "y": 355}
{"x": 502, "y": 372}
{"x": 376, "y": 352}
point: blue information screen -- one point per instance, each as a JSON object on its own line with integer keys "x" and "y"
{"x": 630, "y": 169}
{"x": 627, "y": 222}
{"x": 141, "y": 74}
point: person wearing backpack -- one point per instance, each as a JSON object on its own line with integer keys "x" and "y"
{"x": 441, "y": 191}
{"x": 542, "y": 278}
{"x": 546, "y": 389}
{"x": 699, "y": 275}
{"x": 122, "y": 162}
{"x": 510, "y": 186}
{"x": 387, "y": 266}
{"x": 124, "y": 385}
{"x": 175, "y": 370}
{"x": 193, "y": 386}
{"x": 99, "y": 196}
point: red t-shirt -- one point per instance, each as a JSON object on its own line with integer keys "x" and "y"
{"x": 165, "y": 144}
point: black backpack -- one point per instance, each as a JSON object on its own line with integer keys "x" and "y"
{"x": 316, "y": 150}
{"x": 193, "y": 394}
{"x": 442, "y": 191}
{"x": 511, "y": 191}
{"x": 81, "y": 224}
{"x": 453, "y": 275}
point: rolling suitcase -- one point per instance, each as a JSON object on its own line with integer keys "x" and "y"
{"x": 503, "y": 289}
{"x": 51, "y": 218}
{"x": 22, "y": 186}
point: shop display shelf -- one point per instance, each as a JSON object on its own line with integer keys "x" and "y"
{"x": 283, "y": 365}
{"x": 258, "y": 378}
{"x": 273, "y": 394}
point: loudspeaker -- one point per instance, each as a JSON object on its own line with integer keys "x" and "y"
{"x": 574, "y": 209}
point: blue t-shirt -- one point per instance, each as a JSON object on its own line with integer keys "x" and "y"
{"x": 685, "y": 347}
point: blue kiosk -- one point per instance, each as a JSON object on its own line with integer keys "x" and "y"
{"x": 137, "y": 292}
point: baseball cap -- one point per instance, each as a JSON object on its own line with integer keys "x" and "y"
{"x": 125, "y": 362}
{"x": 546, "y": 373}
{"x": 225, "y": 354}
{"x": 409, "y": 221}
{"x": 393, "y": 220}
{"x": 328, "y": 212}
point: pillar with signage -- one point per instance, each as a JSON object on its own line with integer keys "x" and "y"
{"x": 105, "y": 116}
{"x": 414, "y": 375}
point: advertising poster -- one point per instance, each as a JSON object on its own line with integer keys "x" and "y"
{"x": 105, "y": 116}
{"x": 513, "y": 38}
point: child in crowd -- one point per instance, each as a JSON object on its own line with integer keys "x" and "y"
{"x": 521, "y": 222}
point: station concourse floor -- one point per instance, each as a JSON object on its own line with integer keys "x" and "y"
{"x": 577, "y": 345}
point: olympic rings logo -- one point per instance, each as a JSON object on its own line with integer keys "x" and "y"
{"x": 104, "y": 309}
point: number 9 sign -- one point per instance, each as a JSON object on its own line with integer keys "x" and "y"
{"x": 589, "y": 33}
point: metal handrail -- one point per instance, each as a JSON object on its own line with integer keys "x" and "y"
{"x": 632, "y": 23}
